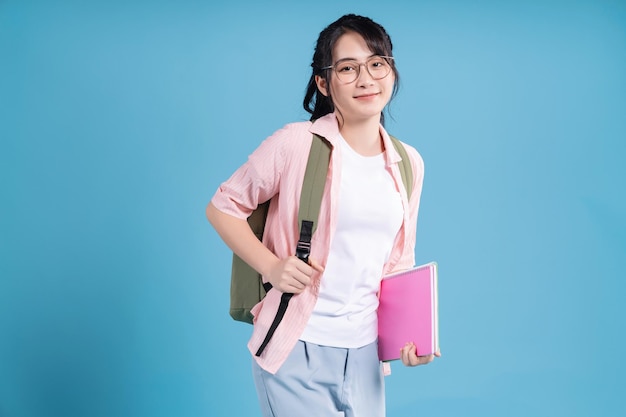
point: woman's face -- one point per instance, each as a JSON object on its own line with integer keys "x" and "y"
{"x": 364, "y": 98}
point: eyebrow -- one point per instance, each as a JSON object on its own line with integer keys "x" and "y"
{"x": 354, "y": 59}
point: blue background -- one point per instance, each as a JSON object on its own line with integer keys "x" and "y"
{"x": 119, "y": 119}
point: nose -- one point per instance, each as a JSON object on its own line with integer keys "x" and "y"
{"x": 364, "y": 77}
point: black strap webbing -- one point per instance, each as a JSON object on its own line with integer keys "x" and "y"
{"x": 308, "y": 212}
{"x": 303, "y": 250}
{"x": 282, "y": 308}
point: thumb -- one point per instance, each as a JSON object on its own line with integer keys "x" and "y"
{"x": 315, "y": 265}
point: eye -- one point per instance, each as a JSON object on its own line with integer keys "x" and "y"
{"x": 346, "y": 67}
{"x": 378, "y": 63}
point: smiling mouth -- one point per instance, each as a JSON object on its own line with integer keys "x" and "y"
{"x": 366, "y": 96}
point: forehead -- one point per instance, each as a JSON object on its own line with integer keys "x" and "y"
{"x": 351, "y": 45}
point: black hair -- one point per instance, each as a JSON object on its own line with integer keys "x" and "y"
{"x": 375, "y": 37}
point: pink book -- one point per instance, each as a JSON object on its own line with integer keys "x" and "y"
{"x": 408, "y": 312}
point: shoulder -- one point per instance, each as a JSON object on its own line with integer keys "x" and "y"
{"x": 285, "y": 148}
{"x": 285, "y": 141}
{"x": 291, "y": 137}
{"x": 417, "y": 162}
{"x": 293, "y": 130}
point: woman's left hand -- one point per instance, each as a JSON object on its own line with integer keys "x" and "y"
{"x": 409, "y": 357}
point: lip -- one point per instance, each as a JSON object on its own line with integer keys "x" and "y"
{"x": 367, "y": 96}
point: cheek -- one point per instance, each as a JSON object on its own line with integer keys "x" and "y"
{"x": 389, "y": 88}
{"x": 334, "y": 86}
{"x": 338, "y": 91}
{"x": 391, "y": 81}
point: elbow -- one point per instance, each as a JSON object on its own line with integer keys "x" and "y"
{"x": 211, "y": 213}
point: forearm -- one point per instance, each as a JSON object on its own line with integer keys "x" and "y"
{"x": 238, "y": 236}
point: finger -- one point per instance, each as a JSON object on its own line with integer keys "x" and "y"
{"x": 315, "y": 265}
{"x": 294, "y": 289}
{"x": 298, "y": 271}
{"x": 299, "y": 266}
{"x": 301, "y": 279}
{"x": 414, "y": 360}
{"x": 405, "y": 354}
{"x": 294, "y": 282}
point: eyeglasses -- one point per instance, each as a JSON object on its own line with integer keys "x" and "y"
{"x": 348, "y": 70}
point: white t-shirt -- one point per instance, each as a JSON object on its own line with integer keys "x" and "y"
{"x": 369, "y": 217}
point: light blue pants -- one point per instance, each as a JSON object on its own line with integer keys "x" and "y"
{"x": 323, "y": 381}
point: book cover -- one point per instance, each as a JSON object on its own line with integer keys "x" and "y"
{"x": 408, "y": 312}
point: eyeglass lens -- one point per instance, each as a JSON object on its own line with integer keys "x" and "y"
{"x": 348, "y": 71}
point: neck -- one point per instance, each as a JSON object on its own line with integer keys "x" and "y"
{"x": 363, "y": 136}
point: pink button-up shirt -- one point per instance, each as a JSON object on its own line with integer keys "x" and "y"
{"x": 276, "y": 170}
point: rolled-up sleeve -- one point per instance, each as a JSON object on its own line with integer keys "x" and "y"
{"x": 254, "y": 182}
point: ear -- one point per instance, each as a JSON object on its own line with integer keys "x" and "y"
{"x": 321, "y": 85}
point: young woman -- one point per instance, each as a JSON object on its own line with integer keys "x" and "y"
{"x": 322, "y": 359}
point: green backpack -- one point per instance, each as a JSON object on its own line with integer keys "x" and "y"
{"x": 246, "y": 284}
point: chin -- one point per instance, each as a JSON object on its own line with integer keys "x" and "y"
{"x": 369, "y": 114}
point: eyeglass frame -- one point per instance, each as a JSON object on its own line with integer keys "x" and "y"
{"x": 359, "y": 67}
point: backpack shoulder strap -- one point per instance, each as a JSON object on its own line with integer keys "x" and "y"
{"x": 314, "y": 181}
{"x": 406, "y": 171}
{"x": 308, "y": 212}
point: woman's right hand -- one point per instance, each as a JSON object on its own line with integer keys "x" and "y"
{"x": 291, "y": 275}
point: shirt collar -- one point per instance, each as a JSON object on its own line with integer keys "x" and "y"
{"x": 328, "y": 128}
